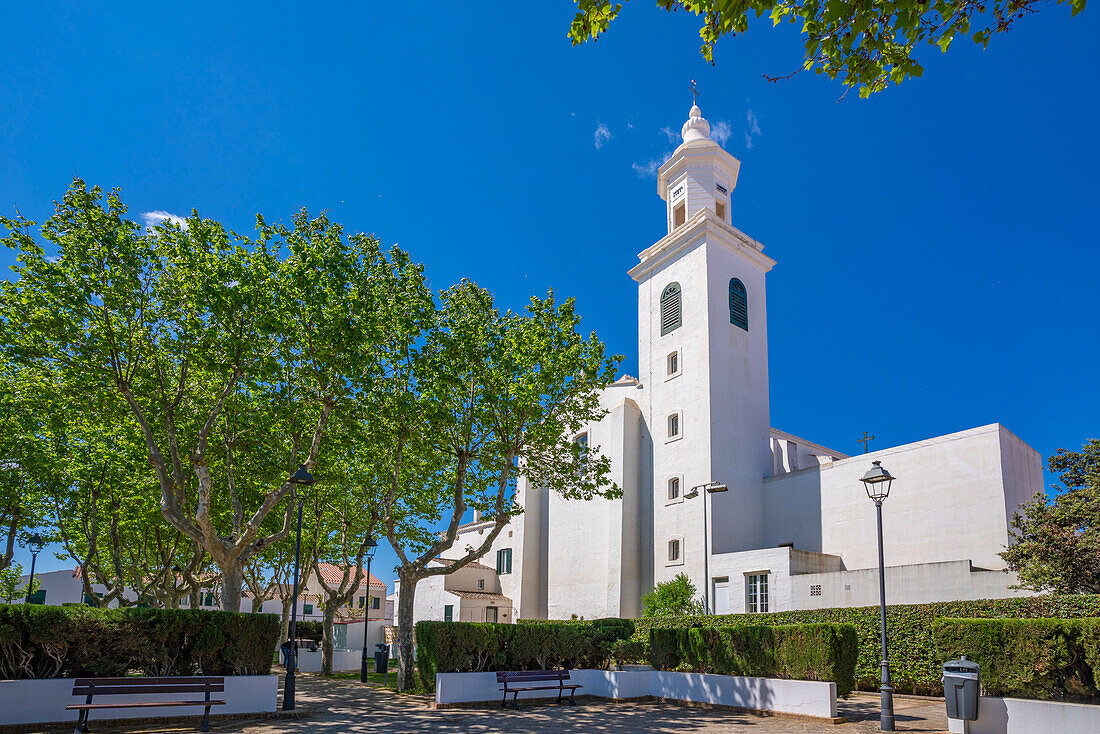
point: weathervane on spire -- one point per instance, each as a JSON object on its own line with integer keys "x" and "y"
{"x": 695, "y": 93}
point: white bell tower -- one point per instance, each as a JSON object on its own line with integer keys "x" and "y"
{"x": 703, "y": 361}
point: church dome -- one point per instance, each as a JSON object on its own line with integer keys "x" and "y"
{"x": 696, "y": 127}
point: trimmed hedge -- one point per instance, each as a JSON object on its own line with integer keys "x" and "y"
{"x": 464, "y": 647}
{"x": 309, "y": 630}
{"x": 1053, "y": 659}
{"x": 914, "y": 664}
{"x": 78, "y": 641}
{"x": 825, "y": 652}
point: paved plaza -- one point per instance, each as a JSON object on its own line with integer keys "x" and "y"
{"x": 347, "y": 706}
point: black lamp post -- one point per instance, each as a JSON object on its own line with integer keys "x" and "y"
{"x": 302, "y": 478}
{"x": 35, "y": 543}
{"x": 372, "y": 546}
{"x": 711, "y": 488}
{"x": 877, "y": 482}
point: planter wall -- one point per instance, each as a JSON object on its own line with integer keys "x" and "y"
{"x": 342, "y": 660}
{"x": 43, "y": 701}
{"x": 806, "y": 698}
{"x": 1026, "y": 716}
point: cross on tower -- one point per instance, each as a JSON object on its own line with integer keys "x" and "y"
{"x": 864, "y": 441}
{"x": 695, "y": 93}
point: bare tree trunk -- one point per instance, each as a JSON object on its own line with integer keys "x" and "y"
{"x": 326, "y": 642}
{"x": 405, "y": 679}
{"x": 284, "y": 621}
{"x": 232, "y": 581}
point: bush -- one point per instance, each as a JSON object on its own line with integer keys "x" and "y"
{"x": 825, "y": 652}
{"x": 914, "y": 665}
{"x": 309, "y": 630}
{"x": 79, "y": 641}
{"x": 1054, "y": 659}
{"x": 464, "y": 647}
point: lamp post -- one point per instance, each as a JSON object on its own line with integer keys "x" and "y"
{"x": 35, "y": 543}
{"x": 372, "y": 546}
{"x": 301, "y": 478}
{"x": 877, "y": 482}
{"x": 710, "y": 488}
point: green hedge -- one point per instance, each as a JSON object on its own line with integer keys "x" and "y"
{"x": 825, "y": 652}
{"x": 65, "y": 642}
{"x": 463, "y": 647}
{"x": 1054, "y": 659}
{"x": 914, "y": 664}
{"x": 309, "y": 630}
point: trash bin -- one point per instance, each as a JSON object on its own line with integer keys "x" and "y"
{"x": 961, "y": 686}
{"x": 381, "y": 657}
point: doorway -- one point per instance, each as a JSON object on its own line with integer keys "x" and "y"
{"x": 722, "y": 595}
{"x": 490, "y": 614}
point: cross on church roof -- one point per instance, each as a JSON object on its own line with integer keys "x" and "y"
{"x": 864, "y": 440}
{"x": 695, "y": 93}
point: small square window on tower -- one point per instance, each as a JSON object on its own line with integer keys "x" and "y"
{"x": 720, "y": 210}
{"x": 679, "y": 214}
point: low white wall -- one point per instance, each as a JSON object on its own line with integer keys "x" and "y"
{"x": 1025, "y": 716}
{"x": 809, "y": 698}
{"x": 342, "y": 660}
{"x": 42, "y": 701}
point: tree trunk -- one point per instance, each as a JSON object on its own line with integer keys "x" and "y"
{"x": 257, "y": 605}
{"x": 232, "y": 581}
{"x": 326, "y": 642}
{"x": 285, "y": 620}
{"x": 405, "y": 599}
{"x": 194, "y": 597}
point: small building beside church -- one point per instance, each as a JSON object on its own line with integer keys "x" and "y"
{"x": 794, "y": 528}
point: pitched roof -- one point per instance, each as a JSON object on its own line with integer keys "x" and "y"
{"x": 480, "y": 595}
{"x": 333, "y": 574}
{"x": 471, "y": 564}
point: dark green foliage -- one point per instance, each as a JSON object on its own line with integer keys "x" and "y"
{"x": 462, "y": 647}
{"x": 309, "y": 630}
{"x": 1054, "y": 659}
{"x": 80, "y": 641}
{"x": 824, "y": 652}
{"x": 914, "y": 665}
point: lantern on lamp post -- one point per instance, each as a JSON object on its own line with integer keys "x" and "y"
{"x": 877, "y": 482}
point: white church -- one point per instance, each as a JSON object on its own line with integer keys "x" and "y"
{"x": 791, "y": 526}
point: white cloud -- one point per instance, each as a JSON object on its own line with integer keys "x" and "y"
{"x": 721, "y": 131}
{"x": 152, "y": 219}
{"x": 649, "y": 168}
{"x": 603, "y": 134}
{"x": 630, "y": 126}
{"x": 753, "y": 129}
{"x": 669, "y": 133}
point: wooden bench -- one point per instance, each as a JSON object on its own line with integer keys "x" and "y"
{"x": 522, "y": 677}
{"x": 140, "y": 686}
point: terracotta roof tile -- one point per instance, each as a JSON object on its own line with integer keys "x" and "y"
{"x": 333, "y": 574}
{"x": 480, "y": 595}
{"x": 471, "y": 564}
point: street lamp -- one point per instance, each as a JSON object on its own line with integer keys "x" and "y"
{"x": 711, "y": 488}
{"x": 35, "y": 544}
{"x": 877, "y": 482}
{"x": 301, "y": 478}
{"x": 372, "y": 546}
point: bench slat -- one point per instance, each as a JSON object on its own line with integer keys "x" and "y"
{"x": 141, "y": 704}
{"x": 534, "y": 675}
{"x": 124, "y": 690}
{"x": 139, "y": 679}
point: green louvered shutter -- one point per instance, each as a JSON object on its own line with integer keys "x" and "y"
{"x": 739, "y": 304}
{"x": 670, "y": 309}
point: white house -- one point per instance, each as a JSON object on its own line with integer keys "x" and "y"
{"x": 794, "y": 529}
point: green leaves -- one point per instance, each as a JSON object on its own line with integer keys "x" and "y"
{"x": 868, "y": 45}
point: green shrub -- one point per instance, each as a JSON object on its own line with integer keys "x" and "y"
{"x": 462, "y": 647}
{"x": 79, "y": 641}
{"x": 309, "y": 630}
{"x": 914, "y": 665}
{"x": 1052, "y": 659}
{"x": 825, "y": 652}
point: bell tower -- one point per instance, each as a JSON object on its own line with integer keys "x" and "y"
{"x": 703, "y": 361}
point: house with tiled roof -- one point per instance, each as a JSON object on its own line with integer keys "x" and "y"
{"x": 472, "y": 593}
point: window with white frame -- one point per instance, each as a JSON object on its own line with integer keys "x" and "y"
{"x": 674, "y": 488}
{"x": 672, "y": 364}
{"x": 480, "y": 584}
{"x": 757, "y": 593}
{"x": 674, "y": 550}
{"x": 674, "y": 425}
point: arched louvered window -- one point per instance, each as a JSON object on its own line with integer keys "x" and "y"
{"x": 670, "y": 308}
{"x": 739, "y": 304}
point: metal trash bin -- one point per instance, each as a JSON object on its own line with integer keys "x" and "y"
{"x": 381, "y": 658}
{"x": 961, "y": 687}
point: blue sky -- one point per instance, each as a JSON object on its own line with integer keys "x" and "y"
{"x": 938, "y": 257}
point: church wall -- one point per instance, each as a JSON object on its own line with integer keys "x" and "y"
{"x": 687, "y": 457}
{"x": 948, "y": 502}
{"x": 739, "y": 401}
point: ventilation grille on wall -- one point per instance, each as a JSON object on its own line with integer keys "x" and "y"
{"x": 815, "y": 590}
